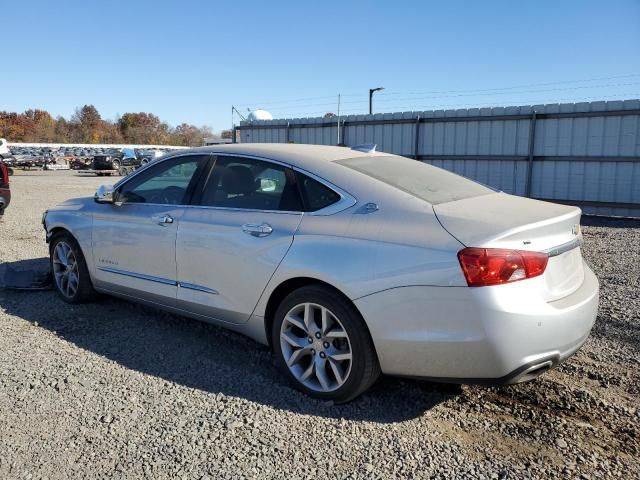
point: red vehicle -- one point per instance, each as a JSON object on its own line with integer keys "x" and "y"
{"x": 5, "y": 193}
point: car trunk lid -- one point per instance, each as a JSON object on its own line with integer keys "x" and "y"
{"x": 499, "y": 220}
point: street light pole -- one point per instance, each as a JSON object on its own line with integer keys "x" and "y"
{"x": 371, "y": 90}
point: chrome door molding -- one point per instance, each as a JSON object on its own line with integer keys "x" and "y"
{"x": 164, "y": 281}
{"x": 141, "y": 276}
{"x": 199, "y": 288}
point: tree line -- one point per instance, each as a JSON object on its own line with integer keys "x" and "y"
{"x": 87, "y": 126}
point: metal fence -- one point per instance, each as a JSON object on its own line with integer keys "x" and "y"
{"x": 585, "y": 154}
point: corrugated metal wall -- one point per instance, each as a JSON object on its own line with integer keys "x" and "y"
{"x": 582, "y": 153}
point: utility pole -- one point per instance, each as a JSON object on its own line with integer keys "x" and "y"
{"x": 371, "y": 91}
{"x": 338, "y": 119}
{"x": 233, "y": 125}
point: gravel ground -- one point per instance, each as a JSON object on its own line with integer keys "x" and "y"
{"x": 117, "y": 390}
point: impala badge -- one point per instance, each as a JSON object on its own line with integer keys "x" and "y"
{"x": 575, "y": 230}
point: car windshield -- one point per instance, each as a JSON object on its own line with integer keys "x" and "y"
{"x": 419, "y": 179}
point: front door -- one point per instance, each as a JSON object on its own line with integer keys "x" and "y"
{"x": 134, "y": 240}
{"x": 231, "y": 242}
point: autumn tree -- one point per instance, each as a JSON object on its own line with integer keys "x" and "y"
{"x": 86, "y": 123}
{"x": 44, "y": 126}
{"x": 17, "y": 126}
{"x": 62, "y": 130}
{"x": 143, "y": 128}
{"x": 87, "y": 126}
{"x": 190, "y": 135}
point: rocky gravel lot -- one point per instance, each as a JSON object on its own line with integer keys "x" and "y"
{"x": 115, "y": 390}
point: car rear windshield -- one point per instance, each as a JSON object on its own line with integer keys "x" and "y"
{"x": 419, "y": 179}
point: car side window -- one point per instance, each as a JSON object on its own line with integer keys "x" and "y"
{"x": 315, "y": 195}
{"x": 165, "y": 183}
{"x": 251, "y": 184}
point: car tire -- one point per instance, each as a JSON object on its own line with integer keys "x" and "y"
{"x": 115, "y": 165}
{"x": 64, "y": 247}
{"x": 339, "y": 352}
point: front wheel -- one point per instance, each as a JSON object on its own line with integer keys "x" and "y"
{"x": 69, "y": 270}
{"x": 115, "y": 165}
{"x": 323, "y": 345}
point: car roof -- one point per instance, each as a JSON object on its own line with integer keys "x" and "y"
{"x": 319, "y": 160}
{"x": 306, "y": 157}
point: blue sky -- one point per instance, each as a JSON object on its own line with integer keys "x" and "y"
{"x": 189, "y": 61}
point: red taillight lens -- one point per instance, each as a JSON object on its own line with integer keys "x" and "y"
{"x": 4, "y": 174}
{"x": 495, "y": 266}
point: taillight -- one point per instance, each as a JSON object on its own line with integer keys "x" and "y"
{"x": 4, "y": 174}
{"x": 495, "y": 266}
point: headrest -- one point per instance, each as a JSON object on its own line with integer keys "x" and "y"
{"x": 238, "y": 180}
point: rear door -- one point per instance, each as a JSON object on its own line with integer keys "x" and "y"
{"x": 134, "y": 240}
{"x": 232, "y": 239}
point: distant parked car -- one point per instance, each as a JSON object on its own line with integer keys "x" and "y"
{"x": 78, "y": 163}
{"x": 114, "y": 159}
{"x": 146, "y": 156}
{"x": 347, "y": 263}
{"x": 5, "y": 192}
{"x": 28, "y": 160}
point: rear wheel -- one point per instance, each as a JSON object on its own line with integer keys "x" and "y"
{"x": 69, "y": 270}
{"x": 323, "y": 345}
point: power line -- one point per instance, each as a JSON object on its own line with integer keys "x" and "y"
{"x": 515, "y": 93}
{"x": 435, "y": 97}
{"x": 515, "y": 87}
{"x": 409, "y": 108}
{"x": 288, "y": 101}
{"x": 295, "y": 103}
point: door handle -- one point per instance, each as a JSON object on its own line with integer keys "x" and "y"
{"x": 163, "y": 219}
{"x": 256, "y": 230}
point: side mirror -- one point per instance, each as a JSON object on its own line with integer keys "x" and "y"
{"x": 105, "y": 194}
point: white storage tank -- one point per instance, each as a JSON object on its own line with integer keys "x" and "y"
{"x": 259, "y": 115}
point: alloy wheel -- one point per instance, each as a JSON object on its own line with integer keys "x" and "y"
{"x": 316, "y": 347}
{"x": 65, "y": 269}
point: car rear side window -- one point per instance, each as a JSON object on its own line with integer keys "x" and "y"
{"x": 315, "y": 195}
{"x": 432, "y": 184}
{"x": 247, "y": 183}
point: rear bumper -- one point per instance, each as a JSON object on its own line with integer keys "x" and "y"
{"x": 501, "y": 334}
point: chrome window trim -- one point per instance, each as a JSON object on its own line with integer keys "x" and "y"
{"x": 233, "y": 209}
{"x": 203, "y": 207}
{"x": 346, "y": 199}
{"x": 142, "y": 169}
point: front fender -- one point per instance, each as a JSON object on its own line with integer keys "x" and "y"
{"x": 74, "y": 216}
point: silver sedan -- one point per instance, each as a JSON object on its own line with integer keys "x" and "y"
{"x": 347, "y": 263}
